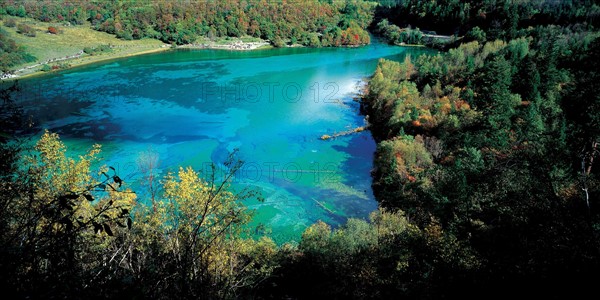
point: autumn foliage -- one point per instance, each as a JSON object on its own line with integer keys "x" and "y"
{"x": 312, "y": 23}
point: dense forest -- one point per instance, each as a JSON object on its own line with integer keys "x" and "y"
{"x": 311, "y": 22}
{"x": 494, "y": 142}
{"x": 399, "y": 20}
{"x": 484, "y": 172}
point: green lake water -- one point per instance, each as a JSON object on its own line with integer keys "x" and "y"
{"x": 193, "y": 107}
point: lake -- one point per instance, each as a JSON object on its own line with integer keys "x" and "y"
{"x": 193, "y": 107}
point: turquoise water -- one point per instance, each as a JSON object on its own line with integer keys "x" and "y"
{"x": 192, "y": 108}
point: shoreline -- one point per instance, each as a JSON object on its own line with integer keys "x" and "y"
{"x": 235, "y": 46}
{"x": 83, "y": 61}
{"x": 80, "y": 61}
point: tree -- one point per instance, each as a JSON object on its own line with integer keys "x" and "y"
{"x": 21, "y": 12}
{"x": 148, "y": 164}
{"x": 59, "y": 213}
{"x": 582, "y": 107}
{"x": 192, "y": 236}
{"x": 476, "y": 34}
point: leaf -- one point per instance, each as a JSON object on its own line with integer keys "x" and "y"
{"x": 88, "y": 197}
{"x": 107, "y": 230}
{"x": 112, "y": 168}
{"x": 129, "y": 223}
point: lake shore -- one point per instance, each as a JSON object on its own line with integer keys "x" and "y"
{"x": 80, "y": 59}
{"x": 69, "y": 45}
{"x": 236, "y": 46}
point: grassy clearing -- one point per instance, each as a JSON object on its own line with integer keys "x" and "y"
{"x": 72, "y": 39}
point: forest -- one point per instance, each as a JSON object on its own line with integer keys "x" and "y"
{"x": 484, "y": 168}
{"x": 310, "y": 23}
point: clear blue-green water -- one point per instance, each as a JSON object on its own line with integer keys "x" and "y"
{"x": 192, "y": 108}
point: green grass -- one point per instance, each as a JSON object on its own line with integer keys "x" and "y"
{"x": 45, "y": 46}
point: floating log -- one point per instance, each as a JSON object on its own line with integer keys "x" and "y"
{"x": 323, "y": 206}
{"x": 343, "y": 133}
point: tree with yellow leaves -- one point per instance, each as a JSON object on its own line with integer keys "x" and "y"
{"x": 189, "y": 244}
{"x": 60, "y": 218}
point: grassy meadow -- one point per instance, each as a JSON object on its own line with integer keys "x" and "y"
{"x": 71, "y": 40}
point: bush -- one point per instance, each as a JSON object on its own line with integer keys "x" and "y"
{"x": 46, "y": 68}
{"x": 21, "y": 12}
{"x": 476, "y": 34}
{"x": 125, "y": 34}
{"x": 10, "y": 23}
{"x": 103, "y": 48}
{"x": 88, "y": 50}
{"x": 26, "y": 30}
{"x": 278, "y": 42}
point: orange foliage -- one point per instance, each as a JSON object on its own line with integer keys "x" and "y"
{"x": 461, "y": 104}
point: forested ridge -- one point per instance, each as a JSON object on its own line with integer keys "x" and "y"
{"x": 411, "y": 21}
{"x": 485, "y": 171}
{"x": 308, "y": 22}
{"x": 494, "y": 141}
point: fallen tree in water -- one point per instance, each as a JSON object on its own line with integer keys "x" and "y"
{"x": 343, "y": 133}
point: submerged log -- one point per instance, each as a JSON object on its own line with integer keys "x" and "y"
{"x": 343, "y": 133}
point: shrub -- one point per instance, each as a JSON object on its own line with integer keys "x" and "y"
{"x": 10, "y": 23}
{"x": 26, "y": 30}
{"x": 103, "y": 48}
{"x": 46, "y": 68}
{"x": 278, "y": 42}
{"x": 125, "y": 34}
{"x": 21, "y": 12}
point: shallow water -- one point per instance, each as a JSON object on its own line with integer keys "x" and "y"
{"x": 193, "y": 107}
